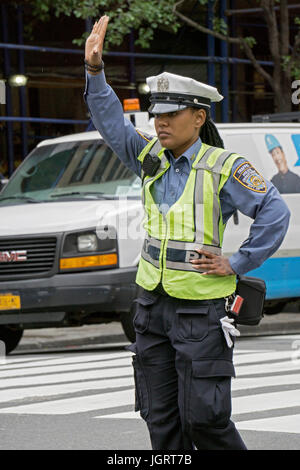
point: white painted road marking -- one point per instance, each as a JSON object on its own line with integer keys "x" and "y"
{"x": 51, "y": 381}
{"x": 290, "y": 423}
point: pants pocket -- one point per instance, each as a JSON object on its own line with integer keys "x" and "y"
{"x": 141, "y": 307}
{"x": 141, "y": 390}
{"x": 192, "y": 322}
{"x": 210, "y": 394}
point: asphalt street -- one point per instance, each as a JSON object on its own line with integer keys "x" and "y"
{"x": 83, "y": 398}
{"x": 73, "y": 388}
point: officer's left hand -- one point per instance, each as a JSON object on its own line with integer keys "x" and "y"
{"x": 213, "y": 264}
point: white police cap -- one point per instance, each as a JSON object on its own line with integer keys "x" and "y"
{"x": 170, "y": 92}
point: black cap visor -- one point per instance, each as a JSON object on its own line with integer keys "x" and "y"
{"x": 161, "y": 108}
{"x": 170, "y": 102}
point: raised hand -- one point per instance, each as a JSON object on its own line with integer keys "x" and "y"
{"x": 94, "y": 43}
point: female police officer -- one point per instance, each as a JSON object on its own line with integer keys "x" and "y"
{"x": 191, "y": 187}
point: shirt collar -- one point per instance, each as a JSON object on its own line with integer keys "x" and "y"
{"x": 189, "y": 155}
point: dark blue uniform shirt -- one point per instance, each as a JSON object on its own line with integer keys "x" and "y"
{"x": 269, "y": 211}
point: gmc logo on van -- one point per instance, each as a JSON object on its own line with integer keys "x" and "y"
{"x": 13, "y": 256}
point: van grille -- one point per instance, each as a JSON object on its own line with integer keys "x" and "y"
{"x": 40, "y": 256}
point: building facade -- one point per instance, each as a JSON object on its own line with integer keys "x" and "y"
{"x": 51, "y": 102}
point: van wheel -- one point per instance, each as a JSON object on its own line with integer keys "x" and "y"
{"x": 275, "y": 308}
{"x": 127, "y": 324}
{"x": 10, "y": 337}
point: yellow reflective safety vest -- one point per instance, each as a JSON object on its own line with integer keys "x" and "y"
{"x": 194, "y": 221}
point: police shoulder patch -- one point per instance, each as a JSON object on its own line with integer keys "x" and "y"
{"x": 249, "y": 177}
{"x": 145, "y": 136}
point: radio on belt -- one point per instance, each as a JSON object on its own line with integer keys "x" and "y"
{"x": 237, "y": 305}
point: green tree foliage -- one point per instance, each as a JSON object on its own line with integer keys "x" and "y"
{"x": 146, "y": 16}
{"x": 143, "y": 16}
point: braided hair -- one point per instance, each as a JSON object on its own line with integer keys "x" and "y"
{"x": 209, "y": 133}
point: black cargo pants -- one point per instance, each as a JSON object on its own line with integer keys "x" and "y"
{"x": 182, "y": 370}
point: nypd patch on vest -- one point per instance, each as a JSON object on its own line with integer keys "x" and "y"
{"x": 248, "y": 176}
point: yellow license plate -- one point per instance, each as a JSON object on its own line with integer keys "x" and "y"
{"x": 10, "y": 302}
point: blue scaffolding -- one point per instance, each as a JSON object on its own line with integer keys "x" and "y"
{"x": 211, "y": 60}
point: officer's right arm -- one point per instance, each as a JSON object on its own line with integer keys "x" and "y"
{"x": 107, "y": 115}
{"x": 105, "y": 108}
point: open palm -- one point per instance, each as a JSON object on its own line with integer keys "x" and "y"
{"x": 94, "y": 43}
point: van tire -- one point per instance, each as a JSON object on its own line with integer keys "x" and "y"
{"x": 11, "y": 337}
{"x": 127, "y": 324}
{"x": 275, "y": 308}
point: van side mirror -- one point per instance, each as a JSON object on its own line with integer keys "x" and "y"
{"x": 236, "y": 218}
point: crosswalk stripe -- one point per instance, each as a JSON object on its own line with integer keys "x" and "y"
{"x": 243, "y": 383}
{"x": 260, "y": 402}
{"x": 75, "y": 405}
{"x": 247, "y": 384}
{"x": 242, "y": 352}
{"x": 281, "y": 337}
{"x": 262, "y": 357}
{"x": 89, "y": 362}
{"x": 9, "y": 395}
{"x": 63, "y": 359}
{"x": 32, "y": 360}
{"x": 290, "y": 423}
{"x": 124, "y": 415}
{"x": 67, "y": 376}
{"x": 53, "y": 382}
{"x": 34, "y": 363}
{"x": 25, "y": 359}
{"x": 266, "y": 401}
{"x": 283, "y": 366}
{"x": 62, "y": 368}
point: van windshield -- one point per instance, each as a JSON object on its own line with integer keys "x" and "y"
{"x": 75, "y": 170}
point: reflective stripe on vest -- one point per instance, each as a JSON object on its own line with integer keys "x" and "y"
{"x": 156, "y": 149}
{"x": 199, "y": 195}
{"x": 193, "y": 222}
{"x": 179, "y": 254}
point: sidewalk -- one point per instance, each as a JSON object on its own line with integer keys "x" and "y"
{"x": 112, "y": 333}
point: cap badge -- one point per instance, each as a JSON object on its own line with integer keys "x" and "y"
{"x": 162, "y": 85}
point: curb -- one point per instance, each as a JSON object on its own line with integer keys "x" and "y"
{"x": 111, "y": 341}
{"x": 280, "y": 324}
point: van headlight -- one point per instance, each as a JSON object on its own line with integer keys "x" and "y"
{"x": 88, "y": 250}
{"x": 87, "y": 242}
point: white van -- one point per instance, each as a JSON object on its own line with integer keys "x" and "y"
{"x": 71, "y": 232}
{"x": 274, "y": 150}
